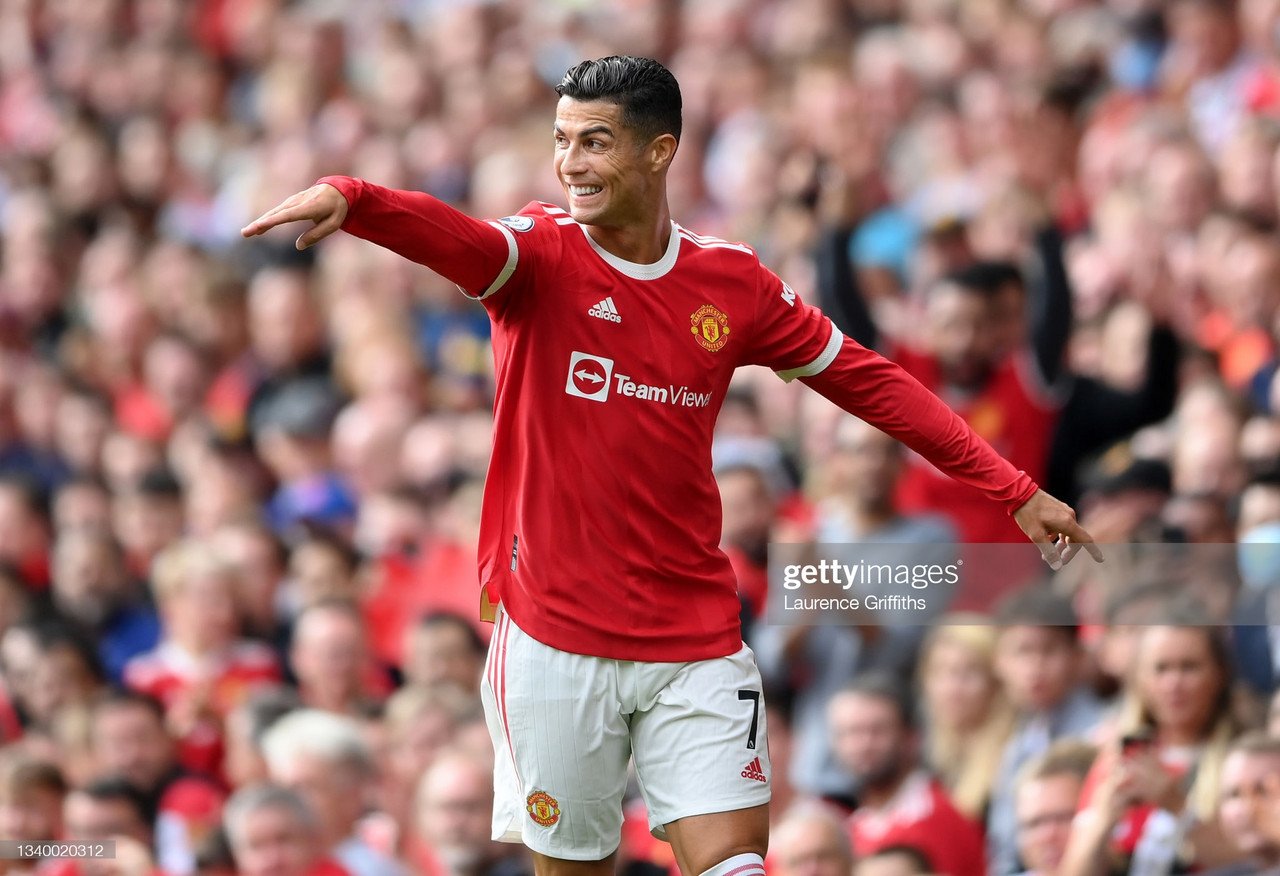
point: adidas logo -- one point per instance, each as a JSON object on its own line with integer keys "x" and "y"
{"x": 605, "y": 310}
{"x": 753, "y": 770}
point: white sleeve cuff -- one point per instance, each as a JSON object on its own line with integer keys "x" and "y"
{"x": 825, "y": 358}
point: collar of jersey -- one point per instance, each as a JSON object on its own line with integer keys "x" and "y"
{"x": 633, "y": 269}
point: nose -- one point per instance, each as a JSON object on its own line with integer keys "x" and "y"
{"x": 571, "y": 160}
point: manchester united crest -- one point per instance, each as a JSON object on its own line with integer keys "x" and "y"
{"x": 542, "y": 808}
{"x": 710, "y": 327}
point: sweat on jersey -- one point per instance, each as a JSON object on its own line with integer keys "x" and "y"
{"x": 601, "y": 522}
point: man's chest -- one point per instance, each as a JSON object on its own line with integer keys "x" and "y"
{"x": 601, "y": 337}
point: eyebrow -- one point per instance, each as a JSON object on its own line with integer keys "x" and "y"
{"x": 585, "y": 132}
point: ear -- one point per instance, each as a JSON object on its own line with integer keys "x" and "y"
{"x": 660, "y": 152}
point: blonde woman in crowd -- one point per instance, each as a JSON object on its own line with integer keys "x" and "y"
{"x": 1149, "y": 803}
{"x": 967, "y": 717}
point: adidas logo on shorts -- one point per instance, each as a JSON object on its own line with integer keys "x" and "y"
{"x": 753, "y": 770}
{"x": 605, "y": 310}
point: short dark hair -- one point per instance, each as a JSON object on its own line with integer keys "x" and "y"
{"x": 108, "y": 789}
{"x": 1038, "y": 606}
{"x": 443, "y": 618}
{"x": 883, "y": 685}
{"x": 125, "y": 698}
{"x": 984, "y": 278}
{"x": 647, "y": 92}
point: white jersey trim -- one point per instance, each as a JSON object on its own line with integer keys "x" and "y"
{"x": 513, "y": 256}
{"x": 703, "y": 242}
{"x": 638, "y": 271}
{"x": 825, "y": 358}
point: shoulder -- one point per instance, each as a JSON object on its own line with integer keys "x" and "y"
{"x": 539, "y": 215}
{"x": 716, "y": 254}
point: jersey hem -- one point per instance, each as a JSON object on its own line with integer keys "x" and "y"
{"x": 612, "y": 645}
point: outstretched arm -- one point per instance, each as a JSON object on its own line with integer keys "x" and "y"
{"x": 878, "y": 391}
{"x": 476, "y": 255}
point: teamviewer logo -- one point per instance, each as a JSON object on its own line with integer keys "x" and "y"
{"x": 589, "y": 376}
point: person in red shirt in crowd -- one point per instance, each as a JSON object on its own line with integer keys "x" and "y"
{"x": 273, "y": 832}
{"x": 875, "y": 738}
{"x": 430, "y": 574}
{"x": 129, "y": 741}
{"x": 616, "y": 333}
{"x": 201, "y": 669}
{"x": 1150, "y": 800}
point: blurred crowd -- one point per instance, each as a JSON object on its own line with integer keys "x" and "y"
{"x": 240, "y": 485}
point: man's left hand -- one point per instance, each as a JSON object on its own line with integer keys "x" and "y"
{"x": 1052, "y": 526}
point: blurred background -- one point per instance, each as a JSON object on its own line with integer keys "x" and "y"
{"x": 240, "y": 485}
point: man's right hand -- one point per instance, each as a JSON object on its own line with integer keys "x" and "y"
{"x": 322, "y": 204}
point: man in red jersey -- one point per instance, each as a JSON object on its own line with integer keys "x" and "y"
{"x": 616, "y": 332}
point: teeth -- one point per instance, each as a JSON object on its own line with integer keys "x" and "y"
{"x": 585, "y": 190}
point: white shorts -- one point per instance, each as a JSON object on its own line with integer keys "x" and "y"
{"x": 564, "y": 726}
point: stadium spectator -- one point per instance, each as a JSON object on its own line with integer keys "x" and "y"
{"x": 1247, "y": 807}
{"x": 201, "y": 669}
{"x": 444, "y": 648}
{"x": 1046, "y": 796}
{"x": 92, "y": 589}
{"x": 129, "y": 741}
{"x": 106, "y": 810}
{"x": 331, "y": 662}
{"x": 246, "y": 724}
{"x": 816, "y": 661}
{"x": 324, "y": 757}
{"x": 272, "y": 832}
{"x": 967, "y": 717}
{"x": 31, "y": 798}
{"x": 453, "y": 818}
{"x": 810, "y": 840}
{"x": 895, "y": 860}
{"x": 875, "y": 738}
{"x": 1038, "y": 661}
{"x": 1181, "y": 713}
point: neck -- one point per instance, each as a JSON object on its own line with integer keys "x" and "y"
{"x": 878, "y": 795}
{"x": 642, "y": 244}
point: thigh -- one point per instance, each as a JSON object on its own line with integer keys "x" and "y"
{"x": 561, "y": 747}
{"x": 701, "y": 741}
{"x": 700, "y": 842}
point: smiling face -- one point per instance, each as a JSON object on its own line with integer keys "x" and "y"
{"x": 612, "y": 176}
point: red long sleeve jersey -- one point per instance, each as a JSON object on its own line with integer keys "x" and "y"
{"x": 601, "y": 522}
